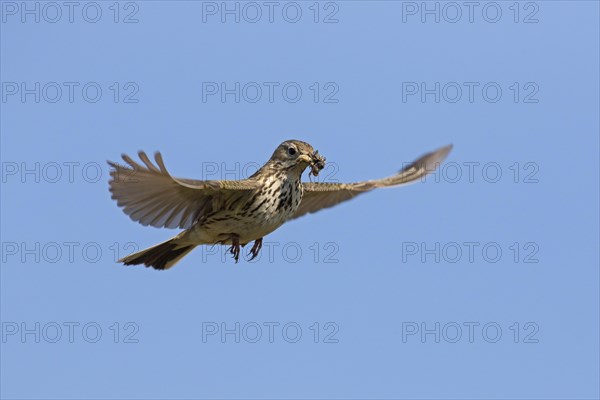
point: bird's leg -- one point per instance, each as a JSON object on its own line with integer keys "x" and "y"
{"x": 256, "y": 248}
{"x": 235, "y": 247}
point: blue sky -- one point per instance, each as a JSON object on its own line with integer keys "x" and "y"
{"x": 481, "y": 282}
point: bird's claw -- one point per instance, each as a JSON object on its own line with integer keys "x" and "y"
{"x": 255, "y": 249}
{"x": 235, "y": 248}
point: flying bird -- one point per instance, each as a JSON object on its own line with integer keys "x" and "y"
{"x": 236, "y": 212}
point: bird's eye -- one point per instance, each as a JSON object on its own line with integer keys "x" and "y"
{"x": 291, "y": 151}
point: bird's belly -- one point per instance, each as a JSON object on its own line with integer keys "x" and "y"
{"x": 223, "y": 227}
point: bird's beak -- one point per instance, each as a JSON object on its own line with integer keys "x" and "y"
{"x": 306, "y": 158}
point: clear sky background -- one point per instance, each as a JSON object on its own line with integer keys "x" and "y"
{"x": 369, "y": 276}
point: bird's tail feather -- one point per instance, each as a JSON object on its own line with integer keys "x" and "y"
{"x": 162, "y": 256}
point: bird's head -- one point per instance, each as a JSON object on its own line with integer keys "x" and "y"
{"x": 297, "y": 155}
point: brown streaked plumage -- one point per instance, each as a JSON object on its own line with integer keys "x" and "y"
{"x": 236, "y": 212}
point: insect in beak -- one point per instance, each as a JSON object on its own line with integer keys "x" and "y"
{"x": 317, "y": 163}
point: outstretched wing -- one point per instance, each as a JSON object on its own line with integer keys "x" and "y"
{"x": 318, "y": 196}
{"x": 151, "y": 196}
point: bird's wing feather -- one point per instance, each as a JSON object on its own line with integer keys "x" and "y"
{"x": 318, "y": 196}
{"x": 151, "y": 196}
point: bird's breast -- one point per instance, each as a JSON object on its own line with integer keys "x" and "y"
{"x": 275, "y": 201}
